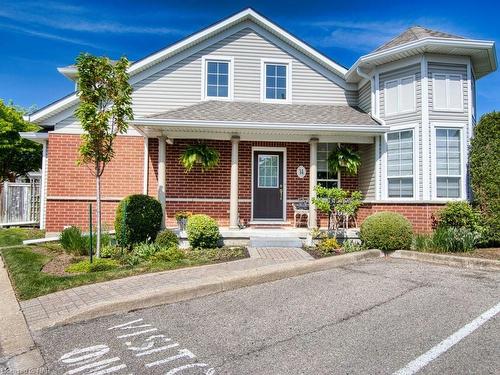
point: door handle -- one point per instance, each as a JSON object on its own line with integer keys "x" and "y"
{"x": 281, "y": 192}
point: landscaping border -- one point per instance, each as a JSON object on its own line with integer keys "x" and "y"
{"x": 210, "y": 285}
{"x": 449, "y": 260}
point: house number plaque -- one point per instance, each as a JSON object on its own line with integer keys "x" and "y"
{"x": 301, "y": 171}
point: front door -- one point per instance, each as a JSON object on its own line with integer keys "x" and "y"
{"x": 268, "y": 193}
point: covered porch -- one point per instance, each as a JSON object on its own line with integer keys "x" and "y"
{"x": 271, "y": 156}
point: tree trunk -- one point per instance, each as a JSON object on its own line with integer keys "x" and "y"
{"x": 98, "y": 215}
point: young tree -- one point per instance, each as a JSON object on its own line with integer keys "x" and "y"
{"x": 485, "y": 173}
{"x": 18, "y": 156}
{"x": 105, "y": 106}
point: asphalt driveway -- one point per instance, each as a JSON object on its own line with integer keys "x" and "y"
{"x": 374, "y": 317}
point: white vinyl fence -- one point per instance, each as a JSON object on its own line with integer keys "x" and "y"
{"x": 20, "y": 203}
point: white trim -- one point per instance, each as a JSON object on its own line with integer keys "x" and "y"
{"x": 399, "y": 83}
{"x": 463, "y": 163}
{"x": 427, "y": 42}
{"x": 35, "y": 137}
{"x": 447, "y": 89}
{"x": 236, "y": 125}
{"x": 399, "y": 64}
{"x": 378, "y": 194}
{"x": 377, "y": 92}
{"x": 81, "y": 198}
{"x": 217, "y": 58}
{"x": 385, "y": 185}
{"x": 43, "y": 185}
{"x": 469, "y": 128}
{"x": 424, "y": 167}
{"x": 278, "y": 149}
{"x": 145, "y": 167}
{"x": 272, "y": 61}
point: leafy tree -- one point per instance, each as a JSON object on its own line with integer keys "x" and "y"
{"x": 105, "y": 106}
{"x": 485, "y": 173}
{"x": 18, "y": 156}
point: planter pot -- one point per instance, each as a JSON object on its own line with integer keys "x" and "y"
{"x": 181, "y": 223}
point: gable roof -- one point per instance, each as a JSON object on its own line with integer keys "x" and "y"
{"x": 416, "y": 33}
{"x": 269, "y": 113}
{"x": 155, "y": 58}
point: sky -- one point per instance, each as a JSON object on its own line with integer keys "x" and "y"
{"x": 36, "y": 37}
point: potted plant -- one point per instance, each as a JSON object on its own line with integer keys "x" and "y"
{"x": 200, "y": 154}
{"x": 344, "y": 158}
{"x": 181, "y": 217}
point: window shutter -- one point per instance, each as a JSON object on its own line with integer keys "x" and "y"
{"x": 439, "y": 94}
{"x": 407, "y": 95}
{"x": 391, "y": 97}
{"x": 454, "y": 92}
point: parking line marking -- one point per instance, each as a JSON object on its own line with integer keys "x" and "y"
{"x": 422, "y": 361}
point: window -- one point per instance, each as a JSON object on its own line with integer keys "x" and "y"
{"x": 400, "y": 164}
{"x": 325, "y": 177}
{"x": 447, "y": 94}
{"x": 276, "y": 81}
{"x": 448, "y": 167}
{"x": 217, "y": 79}
{"x": 400, "y": 95}
{"x": 268, "y": 171}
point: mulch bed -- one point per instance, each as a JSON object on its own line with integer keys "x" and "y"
{"x": 317, "y": 254}
{"x": 490, "y": 253}
{"x": 59, "y": 262}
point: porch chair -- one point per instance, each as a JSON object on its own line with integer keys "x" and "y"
{"x": 300, "y": 208}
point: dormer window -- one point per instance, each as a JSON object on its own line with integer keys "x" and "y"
{"x": 217, "y": 77}
{"x": 276, "y": 81}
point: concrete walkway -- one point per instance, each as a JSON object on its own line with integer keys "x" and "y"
{"x": 41, "y": 311}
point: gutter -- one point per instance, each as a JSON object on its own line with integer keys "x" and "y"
{"x": 351, "y": 128}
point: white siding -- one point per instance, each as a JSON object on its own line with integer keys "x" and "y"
{"x": 365, "y": 97}
{"x": 180, "y": 84}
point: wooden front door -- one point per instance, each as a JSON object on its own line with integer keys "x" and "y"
{"x": 268, "y": 189}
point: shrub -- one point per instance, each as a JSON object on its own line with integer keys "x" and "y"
{"x": 328, "y": 246}
{"x": 458, "y": 215}
{"x": 454, "y": 239}
{"x": 386, "y": 231}
{"x": 132, "y": 259}
{"x": 422, "y": 242}
{"x": 110, "y": 251}
{"x": 485, "y": 174}
{"x": 97, "y": 265}
{"x": 145, "y": 250}
{"x": 167, "y": 238}
{"x": 349, "y": 246}
{"x": 202, "y": 232}
{"x": 171, "y": 254}
{"x": 138, "y": 219}
{"x": 72, "y": 240}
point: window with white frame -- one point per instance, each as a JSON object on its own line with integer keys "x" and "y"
{"x": 400, "y": 96}
{"x": 217, "y": 78}
{"x": 324, "y": 177}
{"x": 400, "y": 164}
{"x": 276, "y": 81}
{"x": 448, "y": 92}
{"x": 448, "y": 166}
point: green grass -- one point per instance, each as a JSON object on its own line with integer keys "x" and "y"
{"x": 25, "y": 269}
{"x": 16, "y": 236}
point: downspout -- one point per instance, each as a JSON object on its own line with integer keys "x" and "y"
{"x": 366, "y": 76}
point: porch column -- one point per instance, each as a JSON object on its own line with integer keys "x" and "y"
{"x": 233, "y": 205}
{"x": 162, "y": 156}
{"x": 313, "y": 169}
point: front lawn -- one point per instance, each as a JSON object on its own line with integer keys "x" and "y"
{"x": 16, "y": 236}
{"x": 36, "y": 271}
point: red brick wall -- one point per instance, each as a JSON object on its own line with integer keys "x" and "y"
{"x": 122, "y": 176}
{"x": 420, "y": 215}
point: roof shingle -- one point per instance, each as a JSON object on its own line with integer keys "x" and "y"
{"x": 415, "y": 33}
{"x": 270, "y": 113}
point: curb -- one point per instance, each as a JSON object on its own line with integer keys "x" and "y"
{"x": 17, "y": 348}
{"x": 449, "y": 260}
{"x": 211, "y": 285}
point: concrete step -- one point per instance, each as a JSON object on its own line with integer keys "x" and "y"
{"x": 281, "y": 241}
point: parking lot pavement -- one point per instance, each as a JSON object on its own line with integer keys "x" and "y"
{"x": 373, "y": 317}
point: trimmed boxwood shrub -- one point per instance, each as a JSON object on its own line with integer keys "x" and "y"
{"x": 386, "y": 231}
{"x": 458, "y": 215}
{"x": 167, "y": 238}
{"x": 202, "y": 232}
{"x": 138, "y": 219}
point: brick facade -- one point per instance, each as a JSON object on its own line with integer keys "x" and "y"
{"x": 70, "y": 187}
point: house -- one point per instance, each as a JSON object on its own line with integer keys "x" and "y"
{"x": 274, "y": 107}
